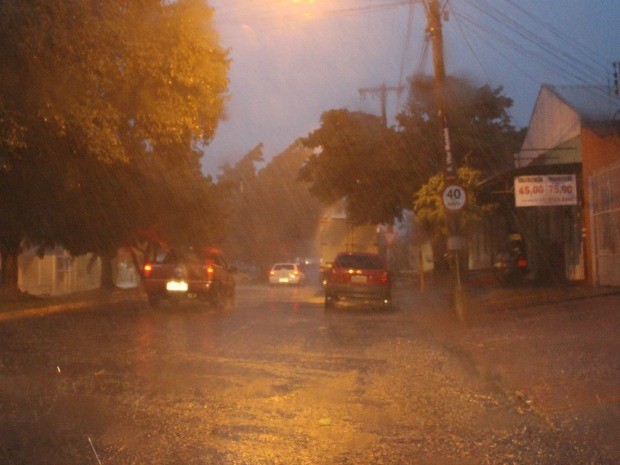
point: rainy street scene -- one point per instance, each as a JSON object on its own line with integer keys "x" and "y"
{"x": 301, "y": 232}
{"x": 277, "y": 380}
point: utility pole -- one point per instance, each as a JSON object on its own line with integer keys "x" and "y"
{"x": 433, "y": 14}
{"x": 382, "y": 90}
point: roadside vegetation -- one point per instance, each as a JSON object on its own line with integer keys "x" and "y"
{"x": 103, "y": 107}
{"x": 384, "y": 171}
{"x": 104, "y": 110}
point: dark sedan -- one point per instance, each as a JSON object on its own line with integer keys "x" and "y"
{"x": 182, "y": 274}
{"x": 358, "y": 277}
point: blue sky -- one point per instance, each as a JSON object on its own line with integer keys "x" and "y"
{"x": 294, "y": 59}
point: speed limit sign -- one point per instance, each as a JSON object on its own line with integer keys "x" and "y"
{"x": 454, "y": 197}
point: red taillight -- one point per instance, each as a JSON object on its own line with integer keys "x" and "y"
{"x": 147, "y": 270}
{"x": 521, "y": 262}
{"x": 385, "y": 277}
{"x": 209, "y": 271}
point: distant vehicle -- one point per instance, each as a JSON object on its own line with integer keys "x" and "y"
{"x": 510, "y": 265}
{"x": 185, "y": 274}
{"x": 360, "y": 277}
{"x": 286, "y": 273}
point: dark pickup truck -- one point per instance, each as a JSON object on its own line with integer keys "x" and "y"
{"x": 182, "y": 274}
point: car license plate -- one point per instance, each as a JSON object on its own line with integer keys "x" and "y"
{"x": 283, "y": 280}
{"x": 359, "y": 279}
{"x": 177, "y": 286}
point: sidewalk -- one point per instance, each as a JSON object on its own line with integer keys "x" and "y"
{"x": 482, "y": 296}
{"x": 28, "y": 306}
{"x": 490, "y": 298}
{"x": 554, "y": 350}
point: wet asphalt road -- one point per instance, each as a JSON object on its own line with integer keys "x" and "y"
{"x": 275, "y": 380}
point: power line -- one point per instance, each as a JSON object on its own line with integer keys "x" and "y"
{"x": 562, "y": 65}
{"x": 568, "y": 63}
{"x": 485, "y": 38}
{"x": 382, "y": 91}
{"x": 515, "y": 31}
{"x": 557, "y": 33}
{"x": 471, "y": 49}
{"x": 268, "y": 11}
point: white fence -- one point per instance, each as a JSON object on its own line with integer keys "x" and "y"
{"x": 56, "y": 272}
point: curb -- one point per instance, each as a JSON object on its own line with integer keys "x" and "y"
{"x": 71, "y": 304}
{"x": 520, "y": 299}
{"x": 44, "y": 310}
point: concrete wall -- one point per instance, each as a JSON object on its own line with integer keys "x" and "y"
{"x": 600, "y": 150}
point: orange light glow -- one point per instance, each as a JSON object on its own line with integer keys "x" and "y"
{"x": 305, "y": 4}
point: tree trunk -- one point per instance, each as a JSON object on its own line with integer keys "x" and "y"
{"x": 107, "y": 271}
{"x": 9, "y": 270}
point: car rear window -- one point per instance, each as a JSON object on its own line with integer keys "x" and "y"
{"x": 286, "y": 266}
{"x": 359, "y": 262}
{"x": 179, "y": 255}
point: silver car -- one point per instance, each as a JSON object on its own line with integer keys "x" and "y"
{"x": 286, "y": 273}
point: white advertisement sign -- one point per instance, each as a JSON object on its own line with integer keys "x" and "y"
{"x": 545, "y": 190}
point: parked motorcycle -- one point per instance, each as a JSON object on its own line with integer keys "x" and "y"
{"x": 510, "y": 267}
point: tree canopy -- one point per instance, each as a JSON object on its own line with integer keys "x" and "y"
{"x": 378, "y": 170}
{"x": 102, "y": 105}
{"x": 108, "y": 77}
{"x": 482, "y": 135}
{"x": 428, "y": 204}
{"x": 356, "y": 157}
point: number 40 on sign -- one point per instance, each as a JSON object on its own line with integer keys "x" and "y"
{"x": 454, "y": 197}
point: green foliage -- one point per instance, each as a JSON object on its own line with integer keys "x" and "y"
{"x": 356, "y": 157}
{"x": 433, "y": 216}
{"x": 107, "y": 76}
{"x": 481, "y": 131}
{"x": 378, "y": 170}
{"x": 101, "y": 107}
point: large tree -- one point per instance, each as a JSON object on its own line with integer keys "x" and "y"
{"x": 378, "y": 170}
{"x": 101, "y": 103}
{"x": 482, "y": 133}
{"x": 108, "y": 205}
{"x": 356, "y": 157}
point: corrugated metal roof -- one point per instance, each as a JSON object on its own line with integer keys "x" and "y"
{"x": 594, "y": 104}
